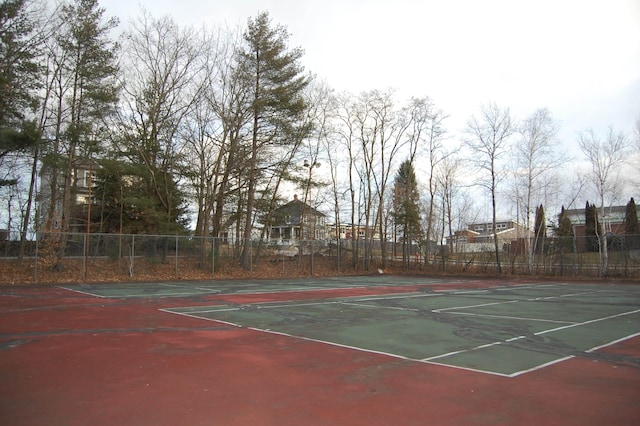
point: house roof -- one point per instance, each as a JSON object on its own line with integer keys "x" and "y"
{"x": 614, "y": 214}
{"x": 297, "y": 206}
{"x": 291, "y": 213}
{"x": 613, "y": 210}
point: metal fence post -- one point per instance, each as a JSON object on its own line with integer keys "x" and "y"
{"x": 132, "y": 255}
{"x": 176, "y": 250}
{"x": 35, "y": 266}
{"x": 84, "y": 258}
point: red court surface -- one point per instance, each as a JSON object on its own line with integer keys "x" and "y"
{"x": 68, "y": 358}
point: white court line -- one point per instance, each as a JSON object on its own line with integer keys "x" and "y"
{"x": 459, "y": 367}
{"x": 362, "y": 305}
{"x": 476, "y": 306}
{"x": 396, "y": 296}
{"x": 510, "y": 317}
{"x": 156, "y": 295}
{"x": 129, "y": 295}
{"x": 500, "y": 342}
{"x": 587, "y": 322}
{"x": 204, "y": 311}
{"x": 295, "y": 305}
{"x": 356, "y": 348}
{"x": 547, "y": 364}
{"x": 250, "y": 291}
{"x": 208, "y": 290}
{"x": 267, "y": 305}
{"x": 486, "y": 345}
{"x": 205, "y": 289}
{"x": 199, "y": 317}
{"x": 540, "y": 366}
{"x": 532, "y": 299}
{"x": 257, "y": 306}
{"x": 612, "y": 343}
{"x": 82, "y": 292}
{"x": 171, "y": 294}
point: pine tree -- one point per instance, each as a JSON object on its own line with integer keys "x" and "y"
{"x": 275, "y": 79}
{"x": 406, "y": 212}
{"x": 593, "y": 230}
{"x": 564, "y": 231}
{"x": 565, "y": 227}
{"x": 19, "y": 76}
{"x": 540, "y": 230}
{"x": 631, "y": 226}
{"x": 85, "y": 75}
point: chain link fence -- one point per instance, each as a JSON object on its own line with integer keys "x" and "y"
{"x": 68, "y": 257}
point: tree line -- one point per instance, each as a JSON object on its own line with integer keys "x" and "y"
{"x": 182, "y": 128}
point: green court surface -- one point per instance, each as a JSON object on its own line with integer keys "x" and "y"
{"x": 195, "y": 288}
{"x": 502, "y": 330}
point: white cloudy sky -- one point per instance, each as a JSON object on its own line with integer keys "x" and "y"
{"x": 579, "y": 58}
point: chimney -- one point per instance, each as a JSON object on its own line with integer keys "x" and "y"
{"x": 295, "y": 197}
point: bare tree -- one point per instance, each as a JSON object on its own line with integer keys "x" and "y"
{"x": 320, "y": 113}
{"x": 347, "y": 137}
{"x": 426, "y": 135}
{"x": 605, "y": 156}
{"x": 162, "y": 84}
{"x": 487, "y": 138}
{"x": 447, "y": 176}
{"x": 534, "y": 158}
{"x": 212, "y": 130}
{"x": 436, "y": 153}
{"x": 381, "y": 132}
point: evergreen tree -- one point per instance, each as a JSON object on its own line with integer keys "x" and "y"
{"x": 631, "y": 226}
{"x": 564, "y": 232}
{"x": 593, "y": 230}
{"x": 406, "y": 213}
{"x": 19, "y": 76}
{"x": 540, "y": 230}
{"x": 91, "y": 70}
{"x": 84, "y": 76}
{"x": 565, "y": 227}
{"x": 275, "y": 79}
{"x": 125, "y": 204}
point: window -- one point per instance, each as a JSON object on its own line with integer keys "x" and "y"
{"x": 86, "y": 178}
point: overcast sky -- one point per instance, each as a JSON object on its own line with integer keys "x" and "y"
{"x": 581, "y": 59}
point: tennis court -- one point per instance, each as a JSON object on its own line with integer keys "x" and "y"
{"x": 345, "y": 350}
{"x": 502, "y": 330}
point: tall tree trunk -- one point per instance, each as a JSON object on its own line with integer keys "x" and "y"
{"x": 245, "y": 259}
{"x": 495, "y": 233}
{"x": 32, "y": 184}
